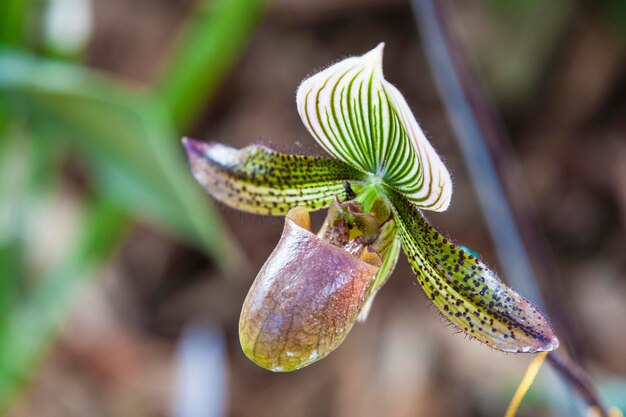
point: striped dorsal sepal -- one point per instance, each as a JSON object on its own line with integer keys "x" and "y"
{"x": 361, "y": 119}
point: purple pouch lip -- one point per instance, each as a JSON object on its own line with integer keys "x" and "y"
{"x": 303, "y": 302}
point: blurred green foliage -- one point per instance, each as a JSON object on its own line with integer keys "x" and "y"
{"x": 13, "y": 19}
{"x": 126, "y": 139}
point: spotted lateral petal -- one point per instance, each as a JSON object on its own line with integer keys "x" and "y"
{"x": 361, "y": 119}
{"x": 260, "y": 180}
{"x": 466, "y": 291}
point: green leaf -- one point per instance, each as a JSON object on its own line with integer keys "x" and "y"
{"x": 32, "y": 322}
{"x": 13, "y": 15}
{"x": 14, "y": 210}
{"x": 208, "y": 47}
{"x": 361, "y": 119}
{"x": 466, "y": 291}
{"x": 259, "y": 180}
{"x": 125, "y": 136}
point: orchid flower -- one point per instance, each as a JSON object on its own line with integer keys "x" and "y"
{"x": 381, "y": 173}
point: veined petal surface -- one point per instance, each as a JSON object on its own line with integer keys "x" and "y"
{"x": 304, "y": 301}
{"x": 259, "y": 180}
{"x": 361, "y": 119}
{"x": 466, "y": 291}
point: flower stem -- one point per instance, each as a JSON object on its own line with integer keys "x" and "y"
{"x": 524, "y": 386}
{"x": 578, "y": 380}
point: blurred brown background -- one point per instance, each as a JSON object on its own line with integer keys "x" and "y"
{"x": 556, "y": 71}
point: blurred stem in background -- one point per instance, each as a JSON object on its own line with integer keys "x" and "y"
{"x": 127, "y": 141}
{"x": 479, "y": 132}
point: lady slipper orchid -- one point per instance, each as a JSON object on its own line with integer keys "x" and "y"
{"x": 381, "y": 174}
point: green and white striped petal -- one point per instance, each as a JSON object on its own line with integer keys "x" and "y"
{"x": 466, "y": 291}
{"x": 259, "y": 180}
{"x": 363, "y": 120}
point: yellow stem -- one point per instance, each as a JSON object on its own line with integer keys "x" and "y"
{"x": 524, "y": 386}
